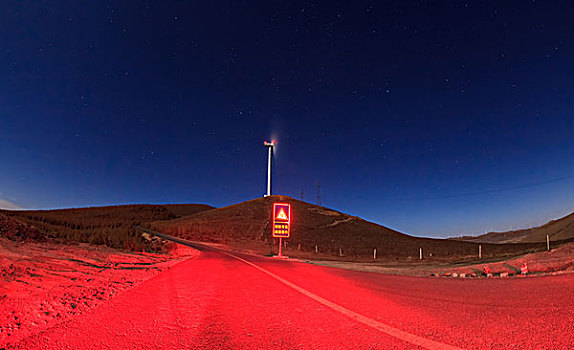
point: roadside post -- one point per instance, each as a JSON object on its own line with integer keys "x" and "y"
{"x": 281, "y": 223}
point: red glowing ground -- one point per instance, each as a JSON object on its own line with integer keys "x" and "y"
{"x": 215, "y": 301}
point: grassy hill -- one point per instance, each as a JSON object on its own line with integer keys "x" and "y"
{"x": 111, "y": 226}
{"x": 317, "y": 232}
{"x": 246, "y": 226}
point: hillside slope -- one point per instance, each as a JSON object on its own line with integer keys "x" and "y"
{"x": 16, "y": 230}
{"x": 558, "y": 230}
{"x": 111, "y": 226}
{"x": 246, "y": 226}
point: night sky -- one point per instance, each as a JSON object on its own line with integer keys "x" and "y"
{"x": 432, "y": 118}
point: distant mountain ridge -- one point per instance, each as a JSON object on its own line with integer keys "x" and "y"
{"x": 557, "y": 230}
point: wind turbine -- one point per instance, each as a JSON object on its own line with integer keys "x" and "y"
{"x": 270, "y": 146}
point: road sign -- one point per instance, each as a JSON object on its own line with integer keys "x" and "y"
{"x": 281, "y": 220}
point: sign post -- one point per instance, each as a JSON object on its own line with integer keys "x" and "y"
{"x": 281, "y": 223}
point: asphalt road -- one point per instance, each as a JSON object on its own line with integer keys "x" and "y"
{"x": 222, "y": 301}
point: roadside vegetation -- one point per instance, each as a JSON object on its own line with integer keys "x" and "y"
{"x": 110, "y": 226}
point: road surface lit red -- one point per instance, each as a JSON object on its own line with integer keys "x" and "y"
{"x": 215, "y": 301}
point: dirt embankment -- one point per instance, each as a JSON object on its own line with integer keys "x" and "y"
{"x": 43, "y": 284}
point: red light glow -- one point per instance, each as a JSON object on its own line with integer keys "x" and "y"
{"x": 281, "y": 220}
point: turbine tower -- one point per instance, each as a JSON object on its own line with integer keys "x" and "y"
{"x": 270, "y": 146}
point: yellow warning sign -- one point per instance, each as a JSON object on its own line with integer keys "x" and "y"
{"x": 281, "y": 220}
{"x": 282, "y": 215}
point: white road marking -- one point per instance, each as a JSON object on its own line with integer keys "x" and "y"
{"x": 397, "y": 333}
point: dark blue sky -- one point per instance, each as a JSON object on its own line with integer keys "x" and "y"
{"x": 433, "y": 118}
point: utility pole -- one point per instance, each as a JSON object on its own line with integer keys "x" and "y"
{"x": 318, "y": 192}
{"x": 302, "y": 194}
{"x": 270, "y": 146}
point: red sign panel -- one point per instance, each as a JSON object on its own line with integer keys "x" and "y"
{"x": 281, "y": 220}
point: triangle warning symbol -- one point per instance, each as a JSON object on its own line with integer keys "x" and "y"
{"x": 281, "y": 215}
